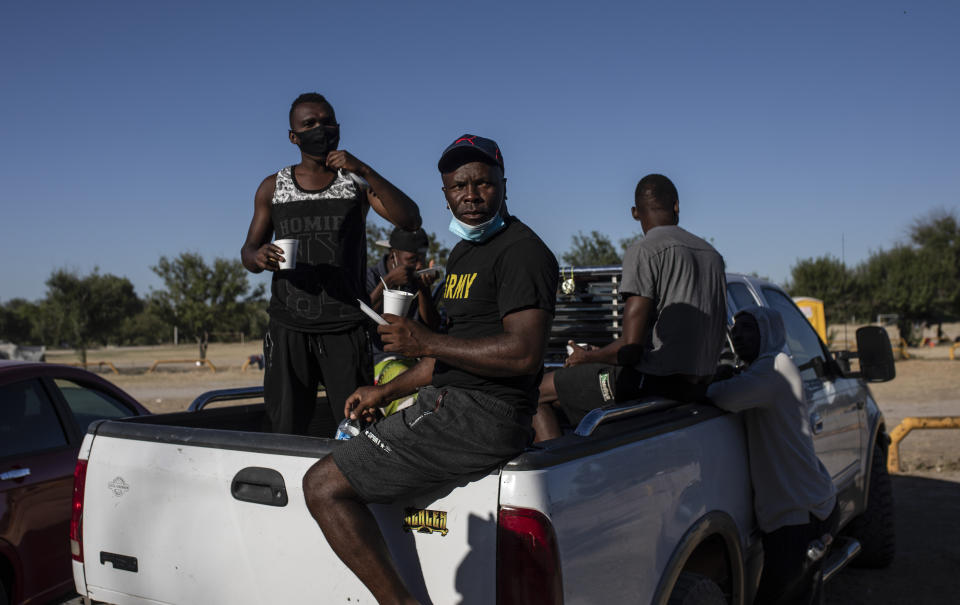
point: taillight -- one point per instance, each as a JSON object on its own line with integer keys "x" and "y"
{"x": 528, "y": 563}
{"x": 76, "y": 517}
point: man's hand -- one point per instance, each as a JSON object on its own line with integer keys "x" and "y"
{"x": 403, "y": 336}
{"x": 401, "y": 275}
{"x": 427, "y": 279}
{"x": 579, "y": 355}
{"x": 339, "y": 159}
{"x": 269, "y": 257}
{"x": 364, "y": 403}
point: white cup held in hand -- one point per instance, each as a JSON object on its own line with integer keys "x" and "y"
{"x": 396, "y": 302}
{"x": 289, "y": 247}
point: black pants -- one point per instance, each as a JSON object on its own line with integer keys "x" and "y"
{"x": 588, "y": 386}
{"x": 788, "y": 576}
{"x": 297, "y": 362}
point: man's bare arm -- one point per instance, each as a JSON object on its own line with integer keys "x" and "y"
{"x": 637, "y": 312}
{"x": 384, "y": 197}
{"x": 370, "y": 397}
{"x": 517, "y": 351}
{"x": 257, "y": 253}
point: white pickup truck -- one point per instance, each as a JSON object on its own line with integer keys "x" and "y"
{"x": 645, "y": 502}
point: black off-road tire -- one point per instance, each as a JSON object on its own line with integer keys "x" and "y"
{"x": 874, "y": 528}
{"x": 695, "y": 589}
{"x": 3, "y": 593}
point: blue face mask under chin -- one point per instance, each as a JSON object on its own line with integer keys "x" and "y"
{"x": 477, "y": 233}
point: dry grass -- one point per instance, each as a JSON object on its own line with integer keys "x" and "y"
{"x": 921, "y": 379}
{"x": 171, "y": 388}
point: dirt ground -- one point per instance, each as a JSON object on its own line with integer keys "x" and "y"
{"x": 927, "y": 493}
{"x": 171, "y": 387}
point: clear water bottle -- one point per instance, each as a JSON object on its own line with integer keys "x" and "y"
{"x": 347, "y": 429}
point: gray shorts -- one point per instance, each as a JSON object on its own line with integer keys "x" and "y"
{"x": 447, "y": 433}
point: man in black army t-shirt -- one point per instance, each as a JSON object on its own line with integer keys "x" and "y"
{"x": 477, "y": 383}
{"x": 317, "y": 332}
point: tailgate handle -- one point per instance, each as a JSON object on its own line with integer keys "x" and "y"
{"x": 119, "y": 561}
{"x": 260, "y": 486}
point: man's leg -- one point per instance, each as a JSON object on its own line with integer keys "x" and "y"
{"x": 346, "y": 363}
{"x": 289, "y": 379}
{"x": 545, "y": 424}
{"x": 576, "y": 390}
{"x": 548, "y": 390}
{"x": 783, "y": 580}
{"x": 351, "y": 530}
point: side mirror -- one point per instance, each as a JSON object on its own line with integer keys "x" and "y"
{"x": 876, "y": 355}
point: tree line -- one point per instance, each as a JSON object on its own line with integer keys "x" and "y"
{"x": 917, "y": 280}
{"x": 99, "y": 309}
{"x": 201, "y": 299}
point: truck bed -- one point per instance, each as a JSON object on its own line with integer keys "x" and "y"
{"x": 169, "y": 516}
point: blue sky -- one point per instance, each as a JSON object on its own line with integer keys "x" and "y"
{"x": 131, "y": 130}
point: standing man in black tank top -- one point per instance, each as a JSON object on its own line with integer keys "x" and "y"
{"x": 317, "y": 332}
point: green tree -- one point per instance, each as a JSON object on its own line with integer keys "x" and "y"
{"x": 591, "y": 250}
{"x": 89, "y": 309}
{"x": 147, "y": 327}
{"x": 895, "y": 281}
{"x": 438, "y": 251}
{"x": 918, "y": 280}
{"x": 829, "y": 280}
{"x": 936, "y": 238}
{"x": 376, "y": 233}
{"x": 17, "y": 321}
{"x": 199, "y": 298}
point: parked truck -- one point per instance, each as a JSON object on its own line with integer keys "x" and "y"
{"x": 647, "y": 501}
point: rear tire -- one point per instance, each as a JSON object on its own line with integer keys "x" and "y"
{"x": 3, "y": 593}
{"x": 695, "y": 589}
{"x": 874, "y": 527}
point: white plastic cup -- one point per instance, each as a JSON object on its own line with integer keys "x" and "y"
{"x": 397, "y": 302}
{"x": 289, "y": 247}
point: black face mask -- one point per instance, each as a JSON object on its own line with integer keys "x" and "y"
{"x": 319, "y": 141}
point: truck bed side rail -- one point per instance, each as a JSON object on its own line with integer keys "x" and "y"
{"x": 225, "y": 395}
{"x": 595, "y": 418}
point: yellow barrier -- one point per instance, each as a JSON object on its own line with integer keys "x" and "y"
{"x": 194, "y": 361}
{"x": 953, "y": 348}
{"x": 908, "y": 424}
{"x": 99, "y": 365}
{"x": 903, "y": 349}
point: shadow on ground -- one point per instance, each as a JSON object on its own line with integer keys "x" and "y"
{"x": 926, "y": 569}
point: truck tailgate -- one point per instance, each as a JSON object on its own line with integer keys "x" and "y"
{"x": 167, "y": 510}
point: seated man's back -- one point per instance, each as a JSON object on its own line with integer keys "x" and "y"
{"x": 684, "y": 277}
{"x": 674, "y": 292}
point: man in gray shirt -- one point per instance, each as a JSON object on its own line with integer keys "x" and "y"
{"x": 674, "y": 292}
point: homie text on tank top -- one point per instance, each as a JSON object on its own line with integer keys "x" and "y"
{"x": 320, "y": 294}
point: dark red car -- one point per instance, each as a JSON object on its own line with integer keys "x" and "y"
{"x": 44, "y": 413}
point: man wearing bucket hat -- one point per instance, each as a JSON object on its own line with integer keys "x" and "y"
{"x": 406, "y": 255}
{"x": 398, "y": 268}
{"x": 477, "y": 384}
{"x": 317, "y": 333}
